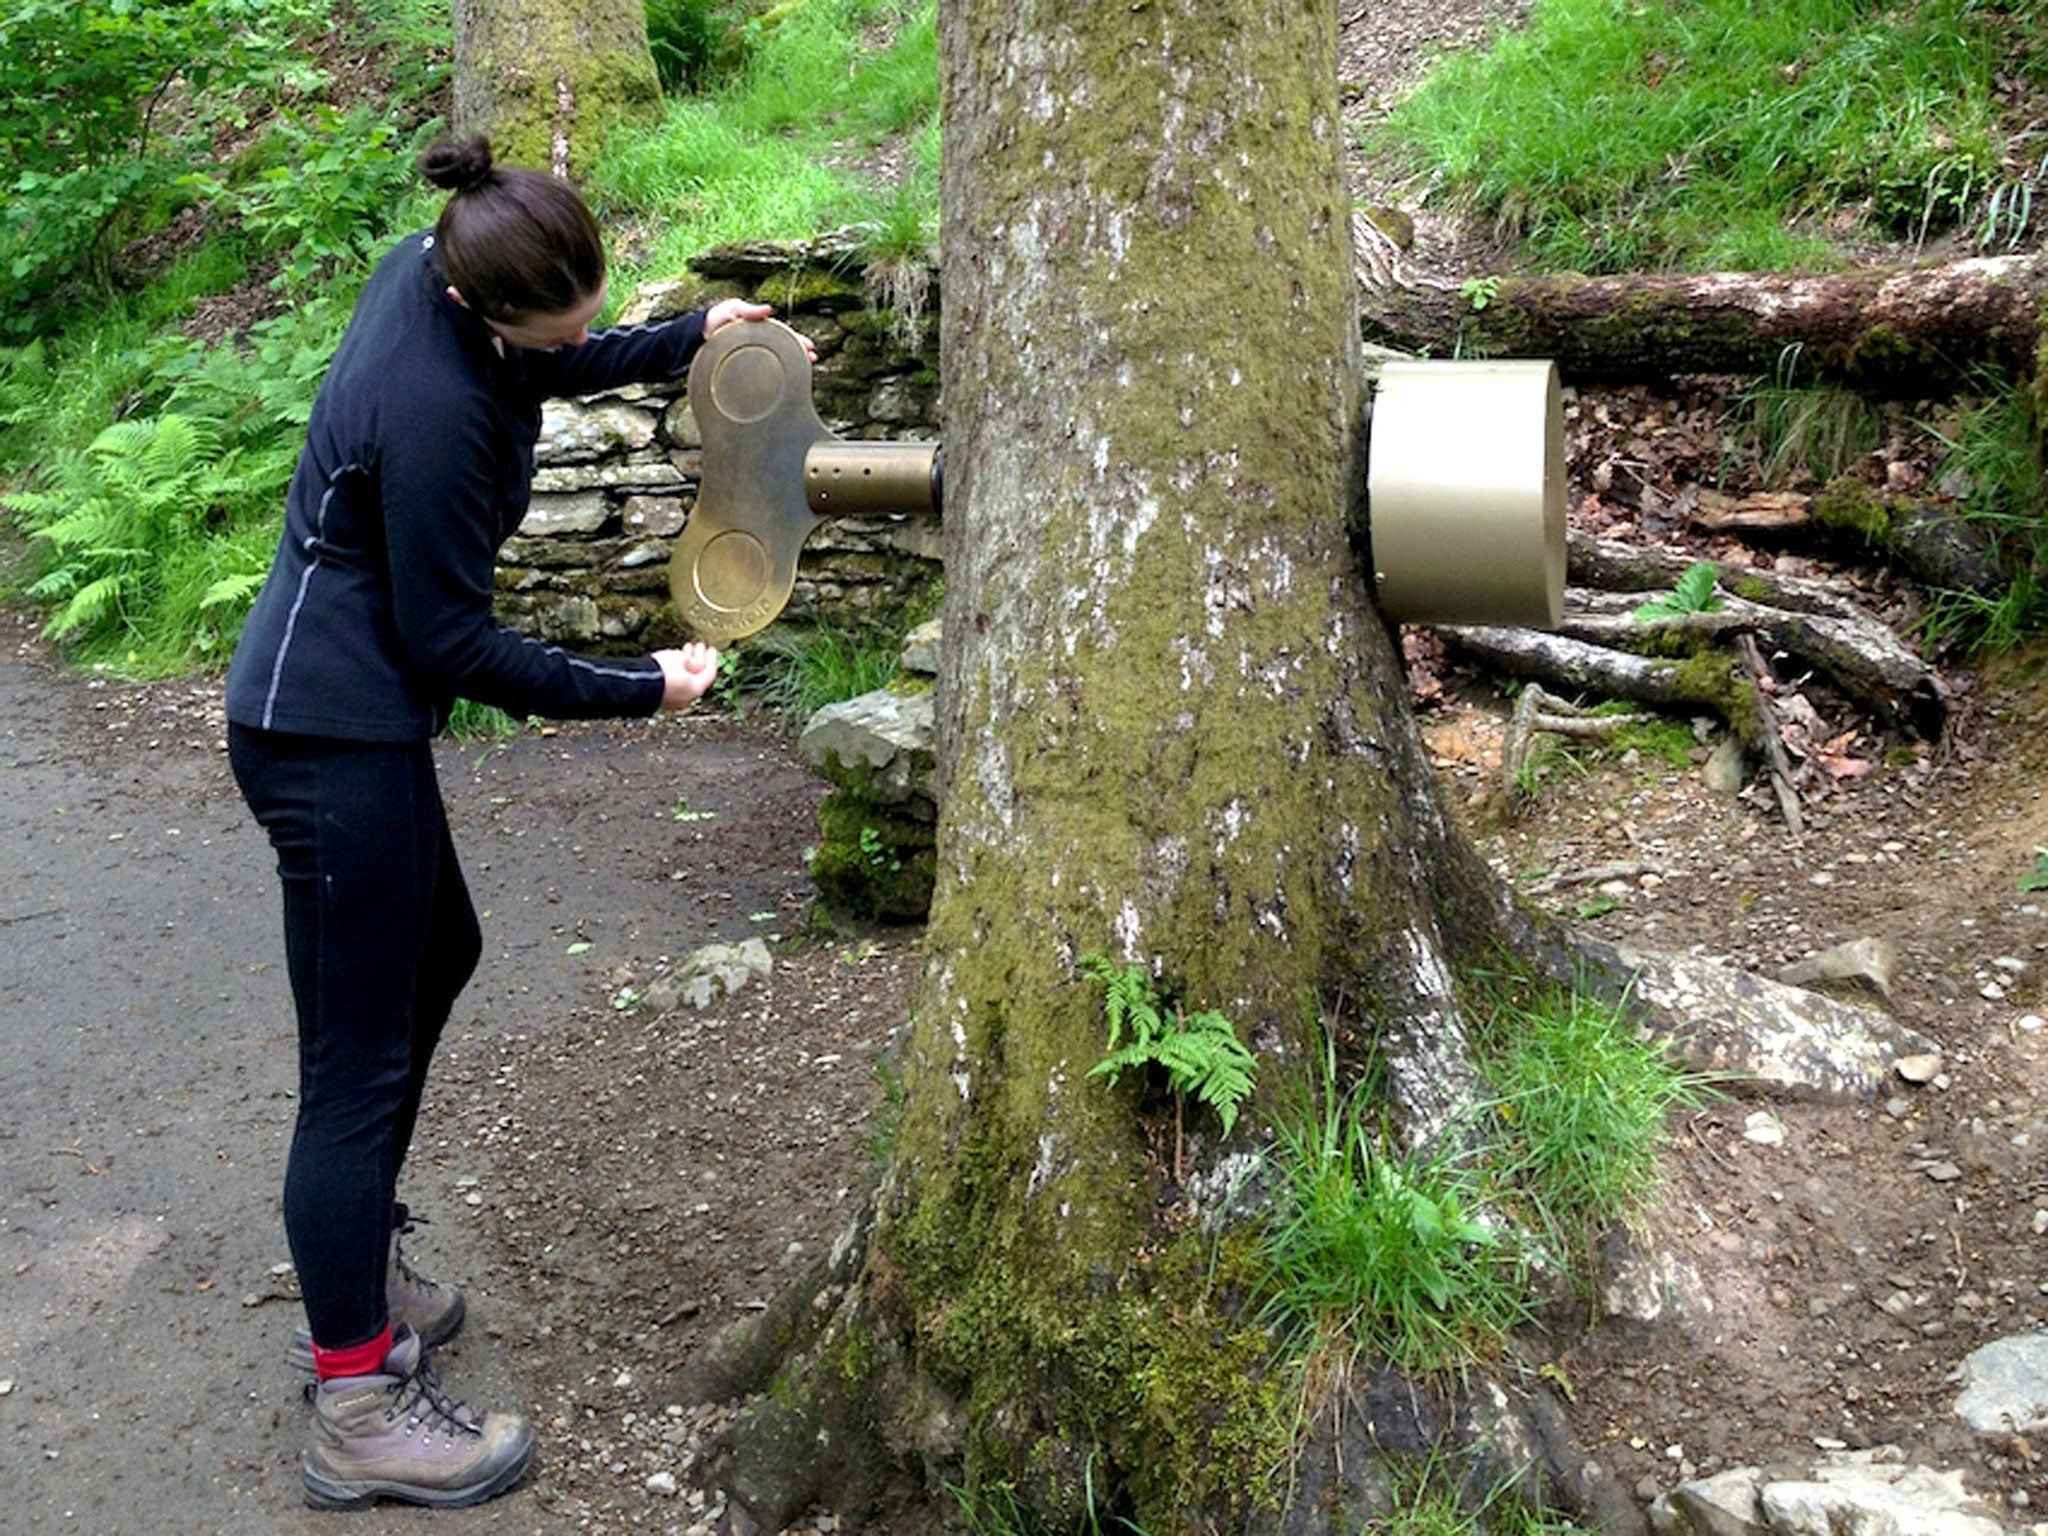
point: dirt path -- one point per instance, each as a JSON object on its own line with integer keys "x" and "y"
{"x": 609, "y": 1188}
{"x": 604, "y": 1187}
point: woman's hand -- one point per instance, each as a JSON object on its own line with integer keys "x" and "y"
{"x": 726, "y": 311}
{"x": 687, "y": 674}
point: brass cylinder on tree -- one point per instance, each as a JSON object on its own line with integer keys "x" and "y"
{"x": 842, "y": 476}
{"x": 1465, "y": 485}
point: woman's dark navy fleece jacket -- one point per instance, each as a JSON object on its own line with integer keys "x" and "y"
{"x": 418, "y": 463}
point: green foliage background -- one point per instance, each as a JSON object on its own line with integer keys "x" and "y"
{"x": 195, "y": 191}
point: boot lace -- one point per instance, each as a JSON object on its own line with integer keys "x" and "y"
{"x": 421, "y": 1398}
{"x": 403, "y": 1223}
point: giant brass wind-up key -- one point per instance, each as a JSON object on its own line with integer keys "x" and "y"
{"x": 772, "y": 471}
{"x": 1464, "y": 485}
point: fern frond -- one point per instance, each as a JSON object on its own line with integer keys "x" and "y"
{"x": 1199, "y": 1053}
{"x": 89, "y": 606}
{"x": 231, "y": 591}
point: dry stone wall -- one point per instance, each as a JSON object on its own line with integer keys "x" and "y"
{"x": 618, "y": 473}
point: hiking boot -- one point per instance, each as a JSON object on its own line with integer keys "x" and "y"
{"x": 397, "y": 1435}
{"x": 430, "y": 1308}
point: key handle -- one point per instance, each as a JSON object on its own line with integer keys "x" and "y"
{"x": 771, "y": 471}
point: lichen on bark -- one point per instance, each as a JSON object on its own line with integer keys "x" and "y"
{"x": 1172, "y": 732}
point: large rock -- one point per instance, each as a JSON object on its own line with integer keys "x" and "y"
{"x": 1859, "y": 966}
{"x": 886, "y": 742}
{"x": 1750, "y": 1026}
{"x": 706, "y": 975}
{"x": 1845, "y": 1493}
{"x": 577, "y": 431}
{"x": 2005, "y": 1386}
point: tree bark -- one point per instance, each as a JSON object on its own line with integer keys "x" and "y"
{"x": 1911, "y": 331}
{"x": 1174, "y": 734}
{"x": 544, "y": 79}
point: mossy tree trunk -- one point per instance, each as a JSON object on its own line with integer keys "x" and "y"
{"x": 544, "y": 79}
{"x": 1173, "y": 733}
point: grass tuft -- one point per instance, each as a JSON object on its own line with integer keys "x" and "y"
{"x": 791, "y": 673}
{"x": 1580, "y": 1107}
{"x": 1383, "y": 1249}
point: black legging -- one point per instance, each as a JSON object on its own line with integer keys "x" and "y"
{"x": 380, "y": 937}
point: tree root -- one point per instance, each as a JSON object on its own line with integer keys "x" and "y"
{"x": 1539, "y": 712}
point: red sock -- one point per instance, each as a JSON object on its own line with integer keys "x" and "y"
{"x": 365, "y": 1359}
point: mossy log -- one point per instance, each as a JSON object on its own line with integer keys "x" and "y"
{"x": 1929, "y": 543}
{"x": 1598, "y": 651}
{"x": 1808, "y": 618}
{"x": 1856, "y": 653}
{"x": 1899, "y": 332}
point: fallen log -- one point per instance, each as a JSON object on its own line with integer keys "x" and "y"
{"x": 1929, "y": 544}
{"x": 1614, "y": 566}
{"x": 1903, "y": 332}
{"x": 1594, "y": 652}
{"x": 1581, "y": 667}
{"x": 1854, "y": 651}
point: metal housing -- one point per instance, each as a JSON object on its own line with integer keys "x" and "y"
{"x": 1465, "y": 486}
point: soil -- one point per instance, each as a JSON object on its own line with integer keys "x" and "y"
{"x": 610, "y": 1187}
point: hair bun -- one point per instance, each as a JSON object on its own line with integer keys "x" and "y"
{"x": 457, "y": 165}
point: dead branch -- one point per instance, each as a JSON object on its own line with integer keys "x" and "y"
{"x": 1853, "y": 650}
{"x": 1576, "y": 666}
{"x": 1770, "y": 734}
{"x": 1539, "y": 712}
{"x": 1613, "y": 566}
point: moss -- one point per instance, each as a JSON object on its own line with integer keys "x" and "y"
{"x": 1881, "y": 353}
{"x": 872, "y": 860}
{"x": 810, "y": 290}
{"x": 1847, "y": 505}
{"x": 609, "y": 84}
{"x": 1666, "y": 741}
{"x": 1134, "y": 1391}
{"x": 1751, "y": 589}
{"x": 1709, "y": 678}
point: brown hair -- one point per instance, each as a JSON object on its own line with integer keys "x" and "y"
{"x": 515, "y": 243}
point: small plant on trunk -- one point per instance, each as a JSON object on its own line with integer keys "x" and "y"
{"x": 1199, "y": 1052}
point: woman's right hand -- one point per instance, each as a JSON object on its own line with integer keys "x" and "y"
{"x": 687, "y": 674}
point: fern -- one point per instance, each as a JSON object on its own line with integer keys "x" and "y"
{"x": 117, "y": 526}
{"x": 1199, "y": 1052}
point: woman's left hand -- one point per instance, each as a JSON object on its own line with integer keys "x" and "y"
{"x": 726, "y": 311}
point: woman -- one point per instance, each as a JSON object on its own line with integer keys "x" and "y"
{"x": 376, "y": 616}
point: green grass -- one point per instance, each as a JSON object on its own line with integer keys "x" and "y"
{"x": 1613, "y": 136}
{"x": 1658, "y": 742}
{"x": 1994, "y": 456}
{"x": 1427, "y": 1258}
{"x": 1809, "y": 433}
{"x": 764, "y": 154}
{"x": 1579, "y": 1106}
{"x": 1379, "y": 1251}
{"x": 791, "y": 673}
{"x": 996, "y": 1510}
{"x": 471, "y": 721}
